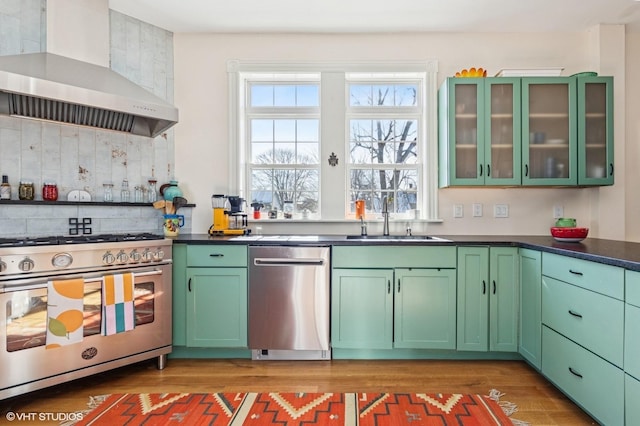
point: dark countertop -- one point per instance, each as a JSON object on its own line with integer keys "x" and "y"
{"x": 610, "y": 252}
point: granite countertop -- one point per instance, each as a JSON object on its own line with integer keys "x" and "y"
{"x": 610, "y": 252}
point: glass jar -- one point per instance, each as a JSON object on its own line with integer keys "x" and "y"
{"x": 108, "y": 192}
{"x": 50, "y": 191}
{"x": 152, "y": 194}
{"x": 137, "y": 194}
{"x": 288, "y": 209}
{"x": 124, "y": 191}
{"x": 26, "y": 190}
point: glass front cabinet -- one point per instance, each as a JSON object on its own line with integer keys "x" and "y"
{"x": 534, "y": 131}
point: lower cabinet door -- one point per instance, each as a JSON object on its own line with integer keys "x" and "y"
{"x": 589, "y": 380}
{"x": 217, "y": 307}
{"x": 425, "y": 309}
{"x": 362, "y": 308}
{"x": 632, "y": 400}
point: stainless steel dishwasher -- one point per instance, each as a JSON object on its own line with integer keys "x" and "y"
{"x": 289, "y": 302}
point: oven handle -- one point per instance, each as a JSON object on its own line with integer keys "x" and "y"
{"x": 40, "y": 284}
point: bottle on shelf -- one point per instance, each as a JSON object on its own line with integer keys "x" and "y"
{"x": 108, "y": 192}
{"x": 5, "y": 188}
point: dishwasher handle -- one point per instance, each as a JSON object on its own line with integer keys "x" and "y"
{"x": 275, "y": 261}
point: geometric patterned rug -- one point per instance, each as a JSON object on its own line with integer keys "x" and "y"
{"x": 292, "y": 409}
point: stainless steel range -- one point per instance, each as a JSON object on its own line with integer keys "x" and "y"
{"x": 27, "y": 269}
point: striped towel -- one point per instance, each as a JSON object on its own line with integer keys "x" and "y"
{"x": 65, "y": 318}
{"x": 117, "y": 304}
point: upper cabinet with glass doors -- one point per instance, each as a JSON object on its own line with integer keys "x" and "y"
{"x": 479, "y": 127}
{"x": 533, "y": 131}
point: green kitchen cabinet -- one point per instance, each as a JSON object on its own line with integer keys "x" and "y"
{"x": 375, "y": 305}
{"x": 362, "y": 308}
{"x": 595, "y": 131}
{"x": 530, "y": 339}
{"x": 488, "y": 299}
{"x": 549, "y": 131}
{"x": 479, "y": 131}
{"x": 216, "y": 296}
{"x": 583, "y": 333}
{"x": 632, "y": 347}
{"x": 179, "y": 294}
{"x": 526, "y": 131}
{"x": 217, "y": 307}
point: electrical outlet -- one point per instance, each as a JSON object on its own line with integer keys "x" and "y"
{"x": 476, "y": 209}
{"x": 558, "y": 212}
{"x": 501, "y": 210}
{"x": 458, "y": 210}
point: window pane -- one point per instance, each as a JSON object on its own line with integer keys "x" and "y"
{"x": 308, "y": 153}
{"x": 262, "y": 153}
{"x": 308, "y": 131}
{"x": 261, "y": 95}
{"x": 383, "y": 95}
{"x": 284, "y": 153}
{"x": 406, "y": 95}
{"x": 307, "y": 96}
{"x": 285, "y": 130}
{"x": 284, "y": 96}
{"x": 360, "y": 94}
{"x": 261, "y": 130}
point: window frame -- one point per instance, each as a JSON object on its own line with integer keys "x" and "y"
{"x": 334, "y": 140}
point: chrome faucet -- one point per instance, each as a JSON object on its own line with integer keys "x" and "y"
{"x": 363, "y": 226}
{"x": 385, "y": 214}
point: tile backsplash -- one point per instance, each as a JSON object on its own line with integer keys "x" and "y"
{"x": 79, "y": 158}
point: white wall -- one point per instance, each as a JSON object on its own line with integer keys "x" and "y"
{"x": 202, "y": 136}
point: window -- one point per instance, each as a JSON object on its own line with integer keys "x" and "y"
{"x": 283, "y": 117}
{"x": 384, "y": 116}
{"x": 378, "y": 120}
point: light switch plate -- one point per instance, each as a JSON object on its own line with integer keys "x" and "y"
{"x": 558, "y": 212}
{"x": 458, "y": 210}
{"x": 476, "y": 209}
{"x": 501, "y": 210}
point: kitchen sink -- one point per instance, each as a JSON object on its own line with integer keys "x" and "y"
{"x": 421, "y": 238}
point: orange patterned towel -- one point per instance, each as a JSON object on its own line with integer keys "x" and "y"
{"x": 117, "y": 304}
{"x": 65, "y": 318}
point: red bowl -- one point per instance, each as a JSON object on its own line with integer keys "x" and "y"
{"x": 569, "y": 234}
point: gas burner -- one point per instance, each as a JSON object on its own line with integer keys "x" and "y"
{"x": 81, "y": 239}
{"x": 27, "y": 242}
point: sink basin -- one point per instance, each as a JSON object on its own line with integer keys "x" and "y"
{"x": 422, "y": 238}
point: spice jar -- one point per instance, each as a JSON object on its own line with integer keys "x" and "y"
{"x": 26, "y": 190}
{"x": 50, "y": 191}
{"x": 5, "y": 188}
{"x": 288, "y": 209}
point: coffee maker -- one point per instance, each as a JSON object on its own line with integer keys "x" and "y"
{"x": 228, "y": 216}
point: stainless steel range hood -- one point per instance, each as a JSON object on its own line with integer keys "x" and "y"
{"x": 57, "y": 88}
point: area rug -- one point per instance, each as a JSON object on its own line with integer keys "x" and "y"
{"x": 261, "y": 409}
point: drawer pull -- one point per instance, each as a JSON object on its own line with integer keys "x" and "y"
{"x": 189, "y": 285}
{"x": 216, "y": 255}
{"x": 575, "y": 314}
{"x": 494, "y": 286}
{"x": 484, "y": 287}
{"x": 388, "y": 286}
{"x": 576, "y": 272}
{"x": 575, "y": 373}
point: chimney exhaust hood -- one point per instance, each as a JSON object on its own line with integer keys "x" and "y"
{"x": 57, "y": 88}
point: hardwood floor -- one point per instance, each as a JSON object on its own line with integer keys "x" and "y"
{"x": 539, "y": 402}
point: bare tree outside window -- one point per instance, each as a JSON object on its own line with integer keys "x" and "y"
{"x": 383, "y": 146}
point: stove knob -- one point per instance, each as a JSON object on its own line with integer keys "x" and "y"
{"x": 147, "y": 256}
{"x": 108, "y": 258}
{"x": 26, "y": 264}
{"x": 159, "y": 255}
{"x": 135, "y": 256}
{"x": 122, "y": 257}
{"x": 3, "y": 266}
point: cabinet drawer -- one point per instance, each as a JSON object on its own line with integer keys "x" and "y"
{"x": 590, "y": 319}
{"x": 590, "y": 381}
{"x": 632, "y": 341}
{"x": 632, "y": 290}
{"x": 216, "y": 255}
{"x": 604, "y": 279}
{"x": 631, "y": 396}
{"x": 394, "y": 257}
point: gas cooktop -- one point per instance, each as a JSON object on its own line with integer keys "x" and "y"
{"x": 81, "y": 239}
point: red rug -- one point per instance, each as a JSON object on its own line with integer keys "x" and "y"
{"x": 290, "y": 409}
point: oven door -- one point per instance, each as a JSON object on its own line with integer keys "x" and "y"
{"x": 23, "y": 319}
